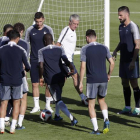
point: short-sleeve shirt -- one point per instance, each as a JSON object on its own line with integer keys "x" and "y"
{"x": 12, "y": 58}
{"x": 35, "y": 37}
{"x": 53, "y": 70}
{"x": 24, "y": 44}
{"x": 95, "y": 55}
{"x": 4, "y": 40}
{"x": 127, "y": 35}
{"x": 68, "y": 40}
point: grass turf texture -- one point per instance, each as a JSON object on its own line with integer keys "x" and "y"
{"x": 121, "y": 126}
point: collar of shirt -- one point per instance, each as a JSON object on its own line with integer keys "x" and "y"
{"x": 11, "y": 43}
{"x": 50, "y": 45}
{"x": 95, "y": 43}
{"x": 4, "y": 38}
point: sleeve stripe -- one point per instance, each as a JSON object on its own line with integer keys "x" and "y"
{"x": 64, "y": 34}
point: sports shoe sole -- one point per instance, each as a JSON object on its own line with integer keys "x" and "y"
{"x": 20, "y": 128}
{"x": 35, "y": 111}
{"x": 124, "y": 113}
{"x": 74, "y": 124}
{"x": 1, "y": 131}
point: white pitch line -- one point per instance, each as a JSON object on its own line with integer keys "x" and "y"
{"x": 84, "y": 77}
{"x": 59, "y": 13}
{"x": 130, "y": 12}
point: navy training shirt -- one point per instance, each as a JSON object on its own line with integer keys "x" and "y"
{"x": 53, "y": 70}
{"x": 35, "y": 37}
{"x": 24, "y": 44}
{"x": 127, "y": 36}
{"x": 95, "y": 54}
{"x": 12, "y": 58}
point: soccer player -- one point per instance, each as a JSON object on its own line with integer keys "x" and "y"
{"x": 12, "y": 57}
{"x": 51, "y": 68}
{"x": 20, "y": 28}
{"x": 128, "y": 46}
{"x": 93, "y": 59}
{"x": 67, "y": 40}
{"x": 4, "y": 38}
{"x": 34, "y": 35}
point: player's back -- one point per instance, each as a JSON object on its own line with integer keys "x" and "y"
{"x": 52, "y": 64}
{"x": 11, "y": 58}
{"x": 96, "y": 55}
{"x": 25, "y": 45}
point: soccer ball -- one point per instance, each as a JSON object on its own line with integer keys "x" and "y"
{"x": 45, "y": 115}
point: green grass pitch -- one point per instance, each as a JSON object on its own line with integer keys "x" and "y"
{"x": 121, "y": 126}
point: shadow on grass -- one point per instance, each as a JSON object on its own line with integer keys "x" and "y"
{"x": 112, "y": 118}
{"x": 65, "y": 100}
{"x": 36, "y": 118}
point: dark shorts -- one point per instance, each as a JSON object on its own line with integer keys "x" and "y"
{"x": 34, "y": 72}
{"x": 67, "y": 70}
{"x": 94, "y": 89}
{"x": 11, "y": 92}
{"x": 124, "y": 71}
{"x": 56, "y": 91}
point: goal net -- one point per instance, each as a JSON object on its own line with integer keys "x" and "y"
{"x": 57, "y": 12}
{"x": 91, "y": 12}
{"x": 12, "y": 11}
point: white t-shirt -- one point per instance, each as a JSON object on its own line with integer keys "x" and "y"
{"x": 68, "y": 39}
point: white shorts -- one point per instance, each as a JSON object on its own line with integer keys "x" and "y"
{"x": 25, "y": 85}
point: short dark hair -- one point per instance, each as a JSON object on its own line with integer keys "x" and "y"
{"x": 47, "y": 39}
{"x": 6, "y": 27}
{"x": 124, "y": 8}
{"x": 13, "y": 34}
{"x": 19, "y": 27}
{"x": 90, "y": 33}
{"x": 39, "y": 15}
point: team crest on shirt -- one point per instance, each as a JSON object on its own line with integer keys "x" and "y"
{"x": 34, "y": 33}
{"x": 45, "y": 33}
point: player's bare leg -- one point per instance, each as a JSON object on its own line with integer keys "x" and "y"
{"x": 104, "y": 109}
{"x": 16, "y": 109}
{"x": 35, "y": 90}
{"x": 2, "y": 115}
{"x": 48, "y": 99}
{"x": 76, "y": 83}
{"x": 23, "y": 106}
{"x": 92, "y": 113}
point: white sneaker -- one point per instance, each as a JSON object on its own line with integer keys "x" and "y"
{"x": 50, "y": 109}
{"x": 1, "y": 130}
{"x": 12, "y": 130}
{"x": 35, "y": 109}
